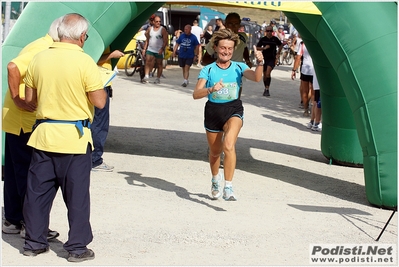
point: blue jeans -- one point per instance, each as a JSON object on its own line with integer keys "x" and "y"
{"x": 99, "y": 130}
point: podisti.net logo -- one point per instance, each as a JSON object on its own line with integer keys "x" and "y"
{"x": 353, "y": 254}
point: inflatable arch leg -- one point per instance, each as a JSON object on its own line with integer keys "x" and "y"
{"x": 340, "y": 142}
{"x": 368, "y": 75}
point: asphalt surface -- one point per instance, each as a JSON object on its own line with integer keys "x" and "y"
{"x": 155, "y": 207}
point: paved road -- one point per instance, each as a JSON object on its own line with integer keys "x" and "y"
{"x": 154, "y": 209}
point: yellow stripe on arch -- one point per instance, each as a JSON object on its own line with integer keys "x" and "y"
{"x": 297, "y": 7}
{"x": 305, "y": 7}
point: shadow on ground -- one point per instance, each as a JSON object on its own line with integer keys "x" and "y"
{"x": 192, "y": 146}
{"x": 16, "y": 241}
{"x": 136, "y": 179}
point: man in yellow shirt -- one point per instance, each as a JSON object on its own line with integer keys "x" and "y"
{"x": 18, "y": 119}
{"x": 65, "y": 84}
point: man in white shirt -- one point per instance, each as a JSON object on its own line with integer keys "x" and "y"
{"x": 154, "y": 48}
{"x": 197, "y": 31}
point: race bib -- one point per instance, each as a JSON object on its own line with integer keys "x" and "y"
{"x": 228, "y": 93}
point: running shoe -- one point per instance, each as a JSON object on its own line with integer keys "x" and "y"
{"x": 35, "y": 252}
{"x": 216, "y": 188}
{"x": 9, "y": 228}
{"x": 103, "y": 167}
{"x": 317, "y": 127}
{"x": 228, "y": 194}
{"x": 87, "y": 255}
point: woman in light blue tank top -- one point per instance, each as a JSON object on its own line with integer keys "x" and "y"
{"x": 220, "y": 83}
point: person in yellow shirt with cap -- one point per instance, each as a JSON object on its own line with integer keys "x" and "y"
{"x": 18, "y": 119}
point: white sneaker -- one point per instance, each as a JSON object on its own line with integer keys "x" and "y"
{"x": 216, "y": 188}
{"x": 228, "y": 194}
{"x": 317, "y": 127}
{"x": 103, "y": 167}
{"x": 9, "y": 228}
{"x": 309, "y": 125}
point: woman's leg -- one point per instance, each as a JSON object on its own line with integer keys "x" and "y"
{"x": 305, "y": 97}
{"x": 215, "y": 149}
{"x": 231, "y": 130}
{"x": 314, "y": 104}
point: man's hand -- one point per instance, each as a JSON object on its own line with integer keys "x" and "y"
{"x": 20, "y": 103}
{"x": 293, "y": 75}
{"x": 105, "y": 57}
{"x": 116, "y": 54}
{"x": 258, "y": 54}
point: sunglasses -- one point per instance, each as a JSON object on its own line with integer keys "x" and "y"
{"x": 86, "y": 37}
{"x": 269, "y": 30}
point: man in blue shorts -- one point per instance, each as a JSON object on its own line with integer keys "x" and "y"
{"x": 189, "y": 49}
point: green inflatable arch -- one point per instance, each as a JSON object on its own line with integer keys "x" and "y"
{"x": 354, "y": 48}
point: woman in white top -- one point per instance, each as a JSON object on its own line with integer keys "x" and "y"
{"x": 307, "y": 72}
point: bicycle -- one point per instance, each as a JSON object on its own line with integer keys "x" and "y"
{"x": 287, "y": 54}
{"x": 135, "y": 62}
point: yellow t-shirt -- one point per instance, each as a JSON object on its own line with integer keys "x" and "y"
{"x": 106, "y": 69}
{"x": 62, "y": 76}
{"x": 14, "y": 118}
{"x": 106, "y": 75}
{"x": 107, "y": 64}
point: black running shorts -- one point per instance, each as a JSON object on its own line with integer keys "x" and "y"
{"x": 307, "y": 78}
{"x": 217, "y": 114}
